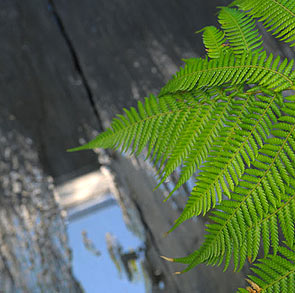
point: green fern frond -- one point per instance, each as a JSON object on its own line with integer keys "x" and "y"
{"x": 195, "y": 142}
{"x": 260, "y": 193}
{"x": 266, "y": 229}
{"x": 171, "y": 134}
{"x": 157, "y": 118}
{"x": 278, "y": 16}
{"x": 214, "y": 42}
{"x": 225, "y": 165}
{"x": 240, "y": 30}
{"x": 227, "y": 117}
{"x": 192, "y": 164}
{"x": 249, "y": 68}
{"x": 172, "y": 128}
{"x": 275, "y": 273}
{"x": 213, "y": 131}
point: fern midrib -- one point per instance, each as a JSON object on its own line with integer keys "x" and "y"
{"x": 250, "y": 192}
{"x": 282, "y": 206}
{"x": 239, "y": 28}
{"x": 235, "y": 67}
{"x": 239, "y": 149}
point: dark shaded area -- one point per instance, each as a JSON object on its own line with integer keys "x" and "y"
{"x": 128, "y": 49}
{"x": 41, "y": 87}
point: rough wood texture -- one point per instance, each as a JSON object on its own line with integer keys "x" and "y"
{"x": 69, "y": 66}
{"x": 41, "y": 87}
{"x": 34, "y": 252}
{"x": 126, "y": 50}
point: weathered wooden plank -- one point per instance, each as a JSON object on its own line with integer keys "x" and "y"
{"x": 34, "y": 251}
{"x": 60, "y": 57}
{"x": 128, "y": 49}
{"x": 41, "y": 87}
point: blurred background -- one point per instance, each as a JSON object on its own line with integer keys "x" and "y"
{"x": 89, "y": 221}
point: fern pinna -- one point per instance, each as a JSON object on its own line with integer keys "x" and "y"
{"x": 231, "y": 116}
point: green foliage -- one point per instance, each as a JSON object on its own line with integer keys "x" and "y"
{"x": 275, "y": 273}
{"x": 231, "y": 116}
{"x": 214, "y": 41}
{"x": 240, "y": 31}
{"x": 277, "y": 16}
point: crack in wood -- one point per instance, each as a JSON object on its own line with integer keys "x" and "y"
{"x": 75, "y": 59}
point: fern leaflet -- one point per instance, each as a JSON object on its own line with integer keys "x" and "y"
{"x": 277, "y": 16}
{"x": 249, "y": 68}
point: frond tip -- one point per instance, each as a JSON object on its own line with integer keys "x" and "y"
{"x": 228, "y": 69}
{"x": 214, "y": 41}
{"x": 154, "y": 124}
